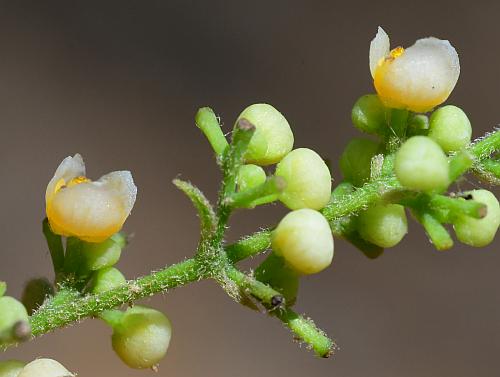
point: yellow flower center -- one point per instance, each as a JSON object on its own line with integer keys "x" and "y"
{"x": 75, "y": 181}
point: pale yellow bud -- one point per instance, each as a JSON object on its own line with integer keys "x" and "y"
{"x": 91, "y": 211}
{"x": 417, "y": 78}
{"x": 304, "y": 239}
{"x": 45, "y": 368}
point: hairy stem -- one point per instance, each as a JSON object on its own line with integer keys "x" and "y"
{"x": 66, "y": 307}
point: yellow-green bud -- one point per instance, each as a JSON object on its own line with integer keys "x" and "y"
{"x": 421, "y": 164}
{"x": 10, "y": 368}
{"x": 250, "y": 176}
{"x": 45, "y": 368}
{"x": 369, "y": 115}
{"x": 355, "y": 162}
{"x": 272, "y": 139}
{"x": 142, "y": 337}
{"x": 35, "y": 292}
{"x": 383, "y": 225}
{"x": 450, "y": 128}
{"x": 479, "y": 232}
{"x": 103, "y": 254}
{"x": 106, "y": 279}
{"x": 12, "y": 312}
{"x": 308, "y": 180}
{"x": 304, "y": 239}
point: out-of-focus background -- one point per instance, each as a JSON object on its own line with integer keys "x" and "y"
{"x": 120, "y": 81}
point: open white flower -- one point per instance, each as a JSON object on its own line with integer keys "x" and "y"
{"x": 418, "y": 78}
{"x": 91, "y": 211}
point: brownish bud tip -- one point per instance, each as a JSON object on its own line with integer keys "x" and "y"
{"x": 21, "y": 331}
{"x": 244, "y": 125}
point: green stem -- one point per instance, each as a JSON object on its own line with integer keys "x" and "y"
{"x": 67, "y": 308}
{"x": 453, "y": 207}
{"x": 54, "y": 242}
{"x": 484, "y": 147}
{"x": 304, "y": 329}
{"x": 437, "y": 233}
{"x": 459, "y": 164}
{"x": 207, "y": 122}
{"x": 269, "y": 190}
{"x": 249, "y": 246}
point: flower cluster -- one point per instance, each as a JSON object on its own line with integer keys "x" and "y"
{"x": 417, "y": 153}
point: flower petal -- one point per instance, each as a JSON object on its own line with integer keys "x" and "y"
{"x": 69, "y": 168}
{"x": 122, "y": 183}
{"x": 379, "y": 49}
{"x": 420, "y": 77}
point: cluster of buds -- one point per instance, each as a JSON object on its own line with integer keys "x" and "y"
{"x": 419, "y": 148}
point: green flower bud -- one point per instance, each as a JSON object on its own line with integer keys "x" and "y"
{"x": 106, "y": 279}
{"x": 369, "y": 115}
{"x": 35, "y": 292}
{"x": 308, "y": 180}
{"x": 250, "y": 176}
{"x": 383, "y": 225}
{"x": 142, "y": 337}
{"x": 45, "y": 368}
{"x": 479, "y": 232}
{"x": 450, "y": 128}
{"x": 421, "y": 164}
{"x": 10, "y": 368}
{"x": 12, "y": 312}
{"x": 274, "y": 272}
{"x": 355, "y": 162}
{"x": 272, "y": 139}
{"x": 103, "y": 254}
{"x": 303, "y": 238}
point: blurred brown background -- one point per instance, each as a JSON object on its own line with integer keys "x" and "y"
{"x": 120, "y": 81}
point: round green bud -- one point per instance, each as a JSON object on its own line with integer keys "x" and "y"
{"x": 272, "y": 139}
{"x": 421, "y": 164}
{"x": 308, "y": 180}
{"x": 369, "y": 115}
{"x": 142, "y": 337}
{"x": 304, "y": 239}
{"x": 383, "y": 225}
{"x": 250, "y": 176}
{"x": 106, "y": 279}
{"x": 355, "y": 162}
{"x": 45, "y": 368}
{"x": 11, "y": 368}
{"x": 450, "y": 128}
{"x": 35, "y": 292}
{"x": 274, "y": 272}
{"x": 12, "y": 312}
{"x": 479, "y": 232}
{"x": 102, "y": 254}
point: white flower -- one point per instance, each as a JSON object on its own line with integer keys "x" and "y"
{"x": 91, "y": 211}
{"x": 418, "y": 78}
